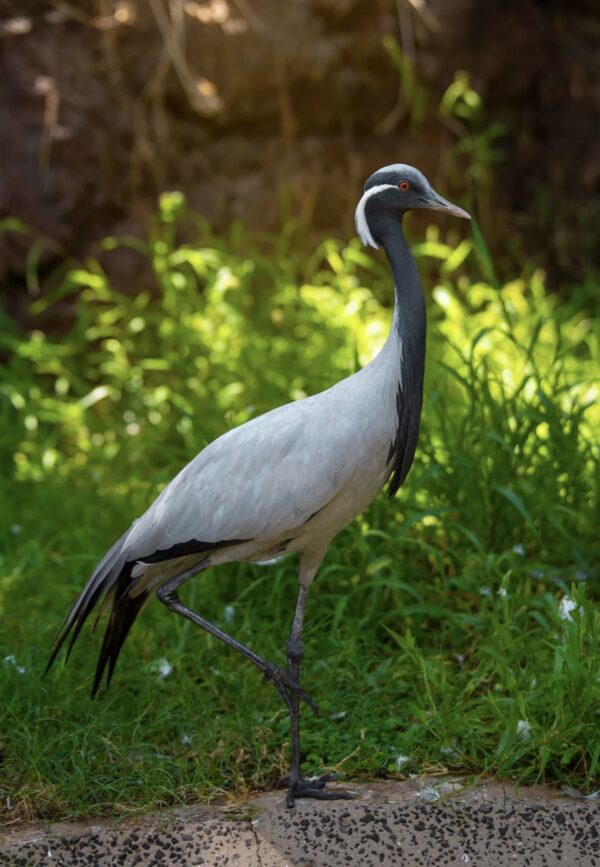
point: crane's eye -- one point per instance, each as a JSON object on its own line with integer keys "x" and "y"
{"x": 404, "y": 186}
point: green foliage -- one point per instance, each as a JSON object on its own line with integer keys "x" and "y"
{"x": 454, "y": 625}
{"x": 475, "y": 151}
{"x": 413, "y": 93}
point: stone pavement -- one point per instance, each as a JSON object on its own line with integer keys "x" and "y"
{"x": 422, "y": 823}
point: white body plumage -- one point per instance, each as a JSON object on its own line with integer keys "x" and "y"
{"x": 293, "y": 477}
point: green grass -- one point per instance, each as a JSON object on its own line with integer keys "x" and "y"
{"x": 434, "y": 630}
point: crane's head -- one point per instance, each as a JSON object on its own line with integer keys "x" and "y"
{"x": 391, "y": 191}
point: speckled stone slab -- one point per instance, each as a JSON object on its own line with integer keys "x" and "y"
{"x": 423, "y": 823}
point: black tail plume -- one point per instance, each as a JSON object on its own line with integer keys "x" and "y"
{"x": 98, "y": 587}
{"x": 123, "y": 613}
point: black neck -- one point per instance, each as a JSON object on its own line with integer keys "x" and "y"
{"x": 409, "y": 301}
{"x": 411, "y": 325}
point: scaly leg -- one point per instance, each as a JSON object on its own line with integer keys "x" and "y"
{"x": 297, "y": 786}
{"x": 288, "y": 688}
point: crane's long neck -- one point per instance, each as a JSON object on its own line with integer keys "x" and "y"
{"x": 407, "y": 336}
{"x": 405, "y": 348}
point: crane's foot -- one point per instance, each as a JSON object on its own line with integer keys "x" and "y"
{"x": 288, "y": 687}
{"x": 300, "y": 787}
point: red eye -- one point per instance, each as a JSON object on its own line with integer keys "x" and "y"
{"x": 404, "y": 186}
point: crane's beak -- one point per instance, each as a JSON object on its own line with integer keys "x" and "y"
{"x": 437, "y": 203}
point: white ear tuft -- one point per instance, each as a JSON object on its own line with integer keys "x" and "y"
{"x": 360, "y": 218}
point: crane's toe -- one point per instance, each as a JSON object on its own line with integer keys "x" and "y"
{"x": 314, "y": 788}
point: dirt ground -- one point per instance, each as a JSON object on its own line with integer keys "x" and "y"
{"x": 417, "y": 823}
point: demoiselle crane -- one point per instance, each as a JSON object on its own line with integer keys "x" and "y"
{"x": 288, "y": 480}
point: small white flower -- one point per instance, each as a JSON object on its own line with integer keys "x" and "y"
{"x": 520, "y": 550}
{"x": 185, "y": 739}
{"x": 164, "y": 668}
{"x": 228, "y": 613}
{"x": 566, "y": 606}
{"x": 523, "y": 730}
{"x": 15, "y": 529}
{"x": 401, "y": 761}
{"x": 11, "y": 661}
{"x": 485, "y": 591}
{"x": 503, "y": 592}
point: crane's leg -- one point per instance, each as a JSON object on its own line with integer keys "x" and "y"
{"x": 287, "y": 687}
{"x": 297, "y": 786}
{"x": 295, "y": 653}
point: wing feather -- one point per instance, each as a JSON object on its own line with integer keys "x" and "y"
{"x": 264, "y": 478}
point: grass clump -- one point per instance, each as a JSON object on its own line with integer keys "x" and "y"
{"x": 454, "y": 627}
